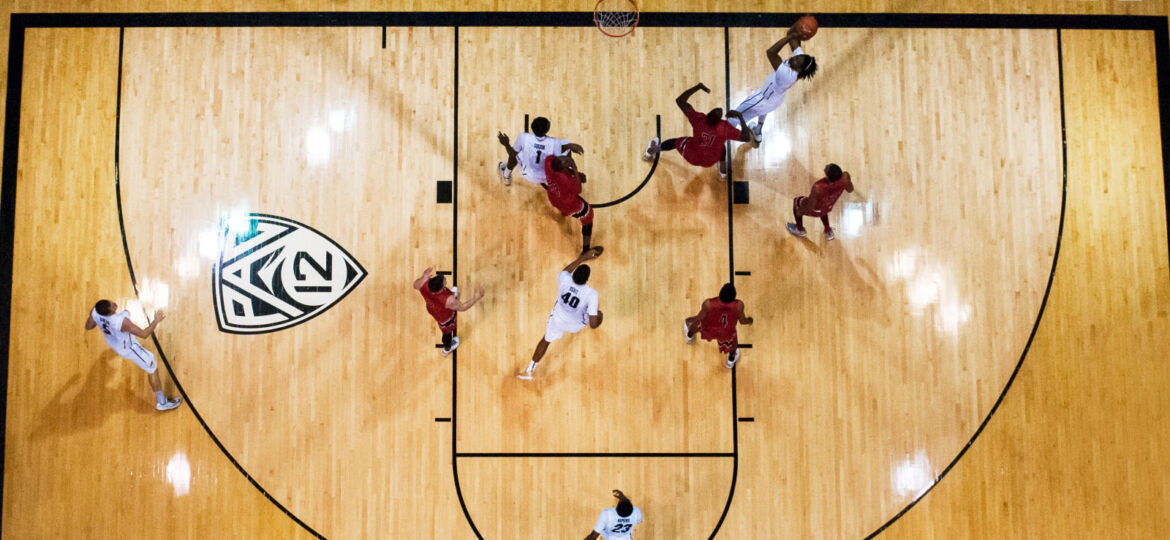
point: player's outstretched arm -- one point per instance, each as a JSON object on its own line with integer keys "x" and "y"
{"x": 743, "y": 318}
{"x": 587, "y": 256}
{"x": 792, "y": 38}
{"x": 848, "y": 182}
{"x": 745, "y": 134}
{"x": 129, "y": 326}
{"x": 89, "y": 324}
{"x": 595, "y": 320}
{"x": 454, "y": 303}
{"x": 593, "y": 535}
{"x": 503, "y": 138}
{"x": 575, "y": 148}
{"x": 682, "y": 99}
{"x": 426, "y": 275}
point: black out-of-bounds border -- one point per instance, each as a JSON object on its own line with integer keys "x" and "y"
{"x": 22, "y": 21}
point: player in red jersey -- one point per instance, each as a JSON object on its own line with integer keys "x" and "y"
{"x": 564, "y": 192}
{"x": 819, "y": 203}
{"x": 706, "y": 146}
{"x": 443, "y": 304}
{"x": 716, "y": 320}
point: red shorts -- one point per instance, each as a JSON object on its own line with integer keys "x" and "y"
{"x": 448, "y": 327}
{"x": 727, "y": 342}
{"x": 802, "y": 206}
{"x": 578, "y": 209}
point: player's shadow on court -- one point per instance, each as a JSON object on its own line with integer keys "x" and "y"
{"x": 86, "y": 403}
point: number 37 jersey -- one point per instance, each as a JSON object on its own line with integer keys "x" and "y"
{"x": 574, "y": 302}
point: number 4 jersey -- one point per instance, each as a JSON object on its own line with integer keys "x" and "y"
{"x": 574, "y": 302}
{"x": 614, "y": 527}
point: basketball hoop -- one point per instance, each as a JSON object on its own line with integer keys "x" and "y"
{"x": 616, "y": 18}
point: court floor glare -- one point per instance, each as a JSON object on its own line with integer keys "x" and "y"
{"x": 1005, "y": 210}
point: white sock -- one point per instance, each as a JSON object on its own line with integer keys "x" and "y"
{"x": 531, "y": 367}
{"x": 160, "y": 397}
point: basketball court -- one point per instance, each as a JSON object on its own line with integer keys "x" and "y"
{"x": 979, "y": 354}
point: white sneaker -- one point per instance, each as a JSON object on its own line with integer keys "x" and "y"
{"x": 687, "y": 333}
{"x": 651, "y": 150}
{"x": 505, "y": 173}
{"x": 525, "y": 375}
{"x": 829, "y": 235}
{"x": 454, "y": 345}
{"x": 731, "y": 360}
{"x": 455, "y": 292}
{"x": 758, "y": 130}
{"x": 169, "y": 404}
{"x": 796, "y": 231}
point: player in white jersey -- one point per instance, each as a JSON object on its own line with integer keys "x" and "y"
{"x": 576, "y": 307}
{"x": 531, "y": 149}
{"x": 785, "y": 73}
{"x": 119, "y": 332}
{"x": 617, "y": 523}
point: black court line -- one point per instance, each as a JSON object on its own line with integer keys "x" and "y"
{"x": 383, "y": 37}
{"x": 1039, "y": 315}
{"x": 731, "y": 263}
{"x": 747, "y": 419}
{"x": 455, "y": 281}
{"x": 19, "y": 22}
{"x": 154, "y": 337}
{"x": 594, "y": 455}
{"x": 580, "y": 19}
{"x": 443, "y": 273}
{"x": 442, "y": 419}
{"x": 649, "y": 175}
{"x": 745, "y": 345}
{"x": 525, "y": 123}
{"x": 742, "y": 273}
{"x": 8, "y": 222}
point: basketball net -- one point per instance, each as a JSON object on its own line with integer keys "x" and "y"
{"x": 616, "y": 18}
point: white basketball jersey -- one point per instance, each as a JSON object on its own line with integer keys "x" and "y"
{"x": 784, "y": 77}
{"x": 532, "y": 150}
{"x": 574, "y": 302}
{"x": 111, "y": 327}
{"x": 614, "y": 527}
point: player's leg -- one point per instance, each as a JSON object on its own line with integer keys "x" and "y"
{"x": 536, "y": 356}
{"x": 145, "y": 359}
{"x": 731, "y": 348}
{"x": 505, "y": 170}
{"x": 732, "y": 357}
{"x": 690, "y": 327}
{"x": 828, "y": 230}
{"x": 450, "y": 342}
{"x": 797, "y": 228}
{"x": 586, "y": 217}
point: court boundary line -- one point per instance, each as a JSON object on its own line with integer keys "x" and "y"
{"x": 19, "y": 22}
{"x": 649, "y": 175}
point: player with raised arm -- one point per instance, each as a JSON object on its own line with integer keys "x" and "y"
{"x": 564, "y": 192}
{"x": 706, "y": 146}
{"x": 575, "y": 307}
{"x": 716, "y": 320}
{"x": 443, "y": 304}
{"x": 617, "y": 523}
{"x": 820, "y": 201}
{"x": 785, "y": 73}
{"x": 531, "y": 149}
{"x": 120, "y": 334}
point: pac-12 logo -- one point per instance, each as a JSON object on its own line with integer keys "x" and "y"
{"x": 274, "y": 273}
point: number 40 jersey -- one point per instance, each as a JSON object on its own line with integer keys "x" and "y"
{"x": 575, "y": 303}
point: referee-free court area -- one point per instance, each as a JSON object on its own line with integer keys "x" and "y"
{"x": 977, "y": 355}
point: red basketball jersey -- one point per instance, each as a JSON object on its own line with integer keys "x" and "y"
{"x": 827, "y": 193}
{"x": 564, "y": 189}
{"x": 705, "y": 147}
{"x": 719, "y": 323}
{"x": 437, "y": 303}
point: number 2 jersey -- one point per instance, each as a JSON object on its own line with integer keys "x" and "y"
{"x": 614, "y": 527}
{"x": 575, "y": 303}
{"x": 532, "y": 150}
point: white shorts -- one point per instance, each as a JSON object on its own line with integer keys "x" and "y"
{"x": 759, "y": 103}
{"x": 139, "y": 355}
{"x": 536, "y": 177}
{"x": 558, "y": 327}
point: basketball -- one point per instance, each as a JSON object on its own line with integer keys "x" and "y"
{"x": 806, "y": 26}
